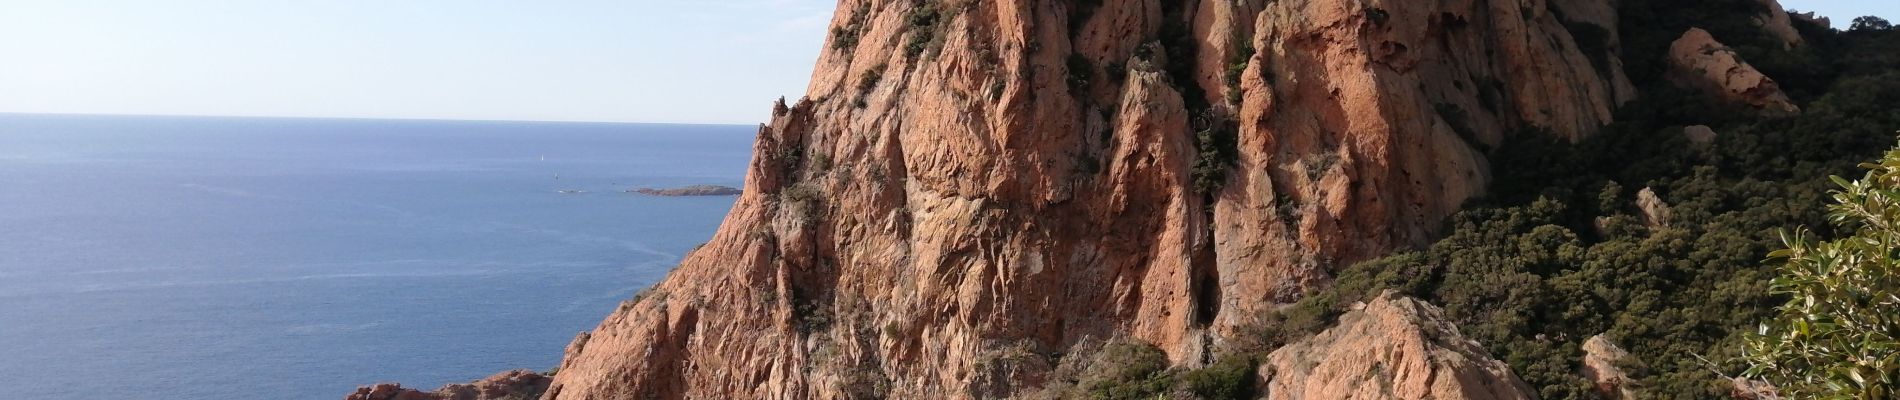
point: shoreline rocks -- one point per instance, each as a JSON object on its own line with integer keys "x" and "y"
{"x": 511, "y": 385}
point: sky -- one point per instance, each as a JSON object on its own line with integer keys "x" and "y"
{"x": 1843, "y": 12}
{"x": 687, "y": 61}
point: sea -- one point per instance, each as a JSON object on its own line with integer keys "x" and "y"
{"x": 275, "y": 258}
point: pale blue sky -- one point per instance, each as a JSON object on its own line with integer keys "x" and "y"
{"x": 1843, "y": 12}
{"x": 703, "y": 61}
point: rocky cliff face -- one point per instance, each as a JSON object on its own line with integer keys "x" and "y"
{"x": 1393, "y": 348}
{"x": 971, "y": 188}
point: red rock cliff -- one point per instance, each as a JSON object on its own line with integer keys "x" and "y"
{"x": 969, "y": 179}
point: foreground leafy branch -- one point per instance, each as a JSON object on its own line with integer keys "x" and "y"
{"x": 1838, "y": 336}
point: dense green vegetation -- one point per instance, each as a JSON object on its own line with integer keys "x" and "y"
{"x": 1837, "y": 336}
{"x": 1560, "y": 252}
{"x": 1131, "y": 370}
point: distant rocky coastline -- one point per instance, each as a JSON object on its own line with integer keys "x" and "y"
{"x": 694, "y": 190}
{"x": 517, "y": 384}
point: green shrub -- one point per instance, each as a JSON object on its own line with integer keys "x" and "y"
{"x": 804, "y": 201}
{"x": 1237, "y": 65}
{"x": 1317, "y": 164}
{"x": 813, "y": 316}
{"x": 1230, "y": 378}
{"x": 1838, "y": 335}
{"x": 1127, "y": 369}
{"x": 1080, "y": 72}
{"x": 847, "y": 36}
{"x": 1180, "y": 48}
{"x": 1218, "y": 148}
{"x": 867, "y": 83}
{"x": 923, "y": 21}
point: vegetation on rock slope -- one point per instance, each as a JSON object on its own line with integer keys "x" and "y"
{"x": 1560, "y": 251}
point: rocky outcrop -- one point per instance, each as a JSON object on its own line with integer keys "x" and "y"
{"x": 511, "y": 385}
{"x": 1600, "y": 358}
{"x": 1700, "y": 136}
{"x": 1699, "y": 61}
{"x": 1395, "y": 348}
{"x": 694, "y": 190}
{"x": 1812, "y": 18}
{"x": 972, "y": 188}
{"x": 1655, "y": 210}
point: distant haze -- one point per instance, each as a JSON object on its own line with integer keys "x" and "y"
{"x": 592, "y": 60}
{"x": 574, "y": 60}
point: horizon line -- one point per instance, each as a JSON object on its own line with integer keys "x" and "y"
{"x": 438, "y": 119}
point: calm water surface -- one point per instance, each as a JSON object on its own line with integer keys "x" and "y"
{"x": 186, "y": 258}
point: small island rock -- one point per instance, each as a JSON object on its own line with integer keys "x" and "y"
{"x": 517, "y": 384}
{"x": 694, "y": 190}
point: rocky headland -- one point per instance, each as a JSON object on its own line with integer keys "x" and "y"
{"x": 972, "y": 193}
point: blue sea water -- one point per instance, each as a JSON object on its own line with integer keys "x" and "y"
{"x": 187, "y": 258}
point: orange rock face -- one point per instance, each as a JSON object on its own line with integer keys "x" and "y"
{"x": 1364, "y": 124}
{"x": 971, "y": 188}
{"x": 1395, "y": 348}
{"x": 1699, "y": 61}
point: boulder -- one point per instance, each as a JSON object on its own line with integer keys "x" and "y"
{"x": 1655, "y": 211}
{"x": 1600, "y": 358}
{"x": 1395, "y": 348}
{"x": 1700, "y": 136}
{"x": 1700, "y": 62}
